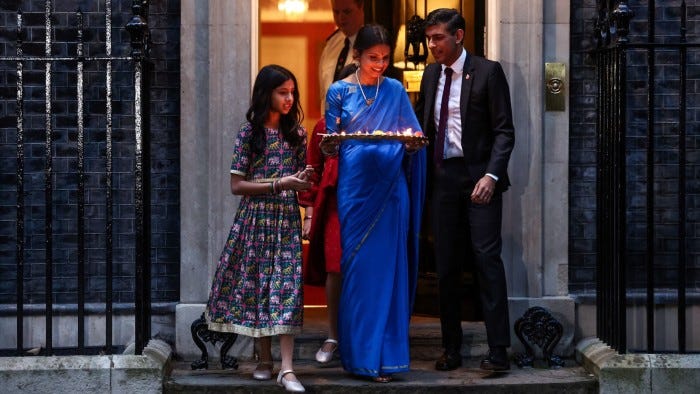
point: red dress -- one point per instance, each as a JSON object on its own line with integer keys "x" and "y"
{"x": 324, "y": 238}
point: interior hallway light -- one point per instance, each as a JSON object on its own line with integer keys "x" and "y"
{"x": 293, "y": 7}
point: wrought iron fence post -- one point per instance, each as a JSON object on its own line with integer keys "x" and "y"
{"x": 20, "y": 187}
{"x": 81, "y": 185}
{"x": 138, "y": 29}
{"x": 682, "y": 158}
{"x": 611, "y": 32}
{"x": 48, "y": 181}
{"x": 619, "y": 337}
{"x": 621, "y": 16}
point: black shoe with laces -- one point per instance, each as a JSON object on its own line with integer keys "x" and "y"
{"x": 448, "y": 361}
{"x": 497, "y": 360}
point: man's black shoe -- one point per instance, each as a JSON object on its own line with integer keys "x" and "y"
{"x": 449, "y": 361}
{"x": 497, "y": 360}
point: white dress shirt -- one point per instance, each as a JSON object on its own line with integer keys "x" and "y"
{"x": 327, "y": 63}
{"x": 453, "y": 133}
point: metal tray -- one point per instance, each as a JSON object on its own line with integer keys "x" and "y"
{"x": 387, "y": 136}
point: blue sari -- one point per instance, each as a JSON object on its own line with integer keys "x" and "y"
{"x": 381, "y": 190}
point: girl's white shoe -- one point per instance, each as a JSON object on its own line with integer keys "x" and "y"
{"x": 289, "y": 385}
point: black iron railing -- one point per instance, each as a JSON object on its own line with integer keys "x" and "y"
{"x": 629, "y": 253}
{"x": 139, "y": 32}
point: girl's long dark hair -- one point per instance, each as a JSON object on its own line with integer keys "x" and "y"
{"x": 269, "y": 78}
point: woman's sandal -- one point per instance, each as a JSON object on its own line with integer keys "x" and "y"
{"x": 323, "y": 356}
{"x": 383, "y": 378}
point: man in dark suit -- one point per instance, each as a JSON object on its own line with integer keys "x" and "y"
{"x": 464, "y": 108}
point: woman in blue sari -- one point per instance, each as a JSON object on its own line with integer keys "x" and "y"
{"x": 381, "y": 187}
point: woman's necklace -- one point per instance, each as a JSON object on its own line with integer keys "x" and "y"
{"x": 376, "y": 93}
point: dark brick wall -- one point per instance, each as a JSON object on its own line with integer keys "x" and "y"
{"x": 582, "y": 144}
{"x": 582, "y": 169}
{"x": 164, "y": 23}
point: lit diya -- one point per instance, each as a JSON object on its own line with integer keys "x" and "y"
{"x": 413, "y": 140}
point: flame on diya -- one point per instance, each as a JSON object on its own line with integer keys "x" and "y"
{"x": 404, "y": 135}
{"x": 413, "y": 141}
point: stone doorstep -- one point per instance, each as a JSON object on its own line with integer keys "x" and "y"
{"x": 639, "y": 373}
{"x": 125, "y": 373}
{"x": 422, "y": 378}
{"x": 425, "y": 349}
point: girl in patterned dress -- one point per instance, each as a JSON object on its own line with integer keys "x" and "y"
{"x": 257, "y": 286}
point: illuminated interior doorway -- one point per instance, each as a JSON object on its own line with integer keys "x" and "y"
{"x": 292, "y": 33}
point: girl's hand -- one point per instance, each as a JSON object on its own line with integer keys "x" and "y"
{"x": 294, "y": 182}
{"x": 306, "y": 228}
{"x": 306, "y": 173}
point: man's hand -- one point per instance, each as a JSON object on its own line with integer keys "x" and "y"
{"x": 483, "y": 191}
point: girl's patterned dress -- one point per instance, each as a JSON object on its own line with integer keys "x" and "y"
{"x": 257, "y": 286}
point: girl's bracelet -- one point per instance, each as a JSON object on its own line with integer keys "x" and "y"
{"x": 276, "y": 186}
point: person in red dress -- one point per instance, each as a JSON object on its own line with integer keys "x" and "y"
{"x": 322, "y": 228}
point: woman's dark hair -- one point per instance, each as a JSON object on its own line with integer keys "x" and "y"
{"x": 367, "y": 37}
{"x": 452, "y": 19}
{"x": 269, "y": 78}
{"x": 371, "y": 35}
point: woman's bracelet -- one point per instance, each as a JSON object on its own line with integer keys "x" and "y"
{"x": 272, "y": 187}
{"x": 307, "y": 217}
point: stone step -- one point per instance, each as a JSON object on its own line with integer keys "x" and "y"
{"x": 422, "y": 378}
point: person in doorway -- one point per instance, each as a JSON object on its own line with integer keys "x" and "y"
{"x": 257, "y": 286}
{"x": 349, "y": 16}
{"x": 380, "y": 195}
{"x": 464, "y": 107}
{"x": 322, "y": 228}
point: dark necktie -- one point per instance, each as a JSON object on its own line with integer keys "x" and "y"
{"x": 442, "y": 124}
{"x": 341, "y": 59}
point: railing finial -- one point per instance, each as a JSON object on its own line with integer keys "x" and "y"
{"x": 622, "y": 16}
{"x": 138, "y": 29}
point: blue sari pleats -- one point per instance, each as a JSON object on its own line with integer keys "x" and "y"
{"x": 373, "y": 203}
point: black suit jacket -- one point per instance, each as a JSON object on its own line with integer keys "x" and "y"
{"x": 488, "y": 134}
